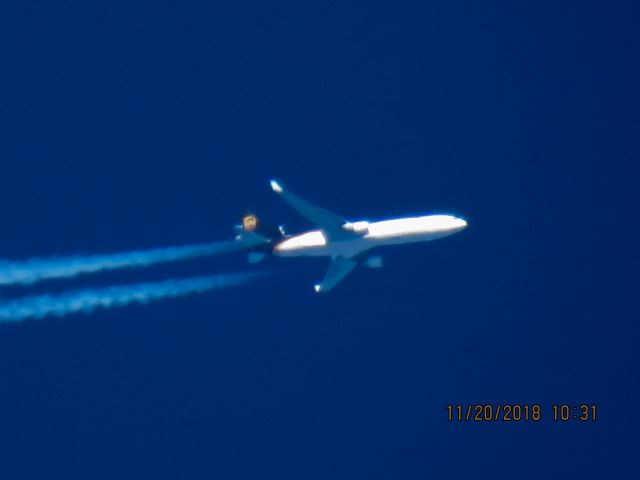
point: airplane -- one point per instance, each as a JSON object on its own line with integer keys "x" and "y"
{"x": 346, "y": 243}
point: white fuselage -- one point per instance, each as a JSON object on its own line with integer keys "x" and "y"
{"x": 370, "y": 235}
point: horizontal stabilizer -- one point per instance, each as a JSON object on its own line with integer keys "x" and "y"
{"x": 250, "y": 239}
{"x": 255, "y": 257}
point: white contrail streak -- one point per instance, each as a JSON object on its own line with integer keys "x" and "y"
{"x": 34, "y": 270}
{"x": 87, "y": 301}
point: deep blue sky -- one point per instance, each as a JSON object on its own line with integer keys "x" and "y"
{"x": 133, "y": 125}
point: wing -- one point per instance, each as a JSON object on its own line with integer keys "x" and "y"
{"x": 339, "y": 268}
{"x": 330, "y": 223}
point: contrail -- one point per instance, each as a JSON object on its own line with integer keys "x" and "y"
{"x": 87, "y": 301}
{"x": 34, "y": 270}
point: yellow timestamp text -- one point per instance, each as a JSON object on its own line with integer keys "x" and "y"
{"x": 514, "y": 412}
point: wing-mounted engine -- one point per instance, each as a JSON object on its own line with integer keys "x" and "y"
{"x": 374, "y": 261}
{"x": 360, "y": 228}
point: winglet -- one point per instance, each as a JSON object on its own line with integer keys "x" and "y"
{"x": 275, "y": 186}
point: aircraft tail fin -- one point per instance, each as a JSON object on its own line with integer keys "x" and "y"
{"x": 254, "y": 233}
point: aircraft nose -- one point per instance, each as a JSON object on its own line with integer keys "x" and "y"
{"x": 460, "y": 224}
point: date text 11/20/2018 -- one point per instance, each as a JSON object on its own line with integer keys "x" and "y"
{"x": 500, "y": 412}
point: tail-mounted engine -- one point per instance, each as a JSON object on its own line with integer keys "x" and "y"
{"x": 257, "y": 236}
